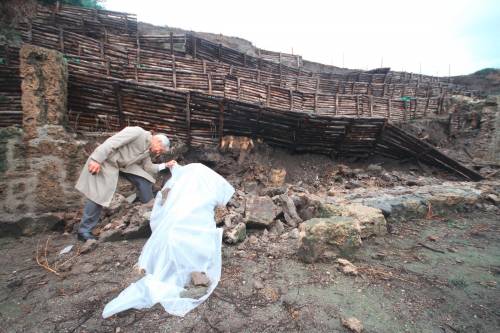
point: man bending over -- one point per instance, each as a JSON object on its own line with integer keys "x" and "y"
{"x": 126, "y": 154}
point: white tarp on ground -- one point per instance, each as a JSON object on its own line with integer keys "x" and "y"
{"x": 184, "y": 239}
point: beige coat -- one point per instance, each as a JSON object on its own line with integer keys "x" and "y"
{"x": 126, "y": 151}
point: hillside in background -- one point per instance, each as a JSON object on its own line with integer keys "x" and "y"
{"x": 487, "y": 80}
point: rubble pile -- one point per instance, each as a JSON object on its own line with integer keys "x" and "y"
{"x": 325, "y": 218}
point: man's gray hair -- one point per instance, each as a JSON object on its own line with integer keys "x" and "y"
{"x": 165, "y": 142}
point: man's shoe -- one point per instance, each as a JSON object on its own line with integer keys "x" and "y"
{"x": 85, "y": 236}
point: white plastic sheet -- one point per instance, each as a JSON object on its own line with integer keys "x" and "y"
{"x": 184, "y": 239}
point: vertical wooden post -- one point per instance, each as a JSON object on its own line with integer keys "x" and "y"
{"x": 195, "y": 45}
{"x": 30, "y": 32}
{"x": 174, "y": 73}
{"x": 230, "y": 69}
{"x": 188, "y": 118}
{"x": 357, "y": 106}
{"x": 108, "y": 67}
{"x": 118, "y": 98}
{"x": 138, "y": 45}
{"x": 204, "y": 66}
{"x": 370, "y": 101}
{"x": 389, "y": 107}
{"x": 336, "y": 104}
{"x": 426, "y": 106}
{"x": 268, "y": 97}
{"x": 405, "y": 111}
{"x": 258, "y": 76}
{"x": 315, "y": 102}
{"x": 238, "y": 81}
{"x": 209, "y": 77}
{"x": 102, "y": 49}
{"x": 171, "y": 43}
{"x": 291, "y": 99}
{"x": 61, "y": 39}
{"x": 221, "y": 120}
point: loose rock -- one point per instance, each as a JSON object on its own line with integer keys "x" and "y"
{"x": 200, "y": 279}
{"x": 236, "y": 234}
{"x": 340, "y": 235}
{"x": 353, "y": 324}
{"x": 88, "y": 246}
{"x": 260, "y": 211}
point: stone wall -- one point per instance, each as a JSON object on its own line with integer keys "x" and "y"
{"x": 40, "y": 163}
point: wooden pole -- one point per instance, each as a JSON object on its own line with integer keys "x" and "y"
{"x": 188, "y": 118}
{"x": 171, "y": 43}
{"x": 174, "y": 73}
{"x": 268, "y": 97}
{"x": 61, "y": 39}
{"x": 118, "y": 98}
{"x": 336, "y": 104}
{"x": 209, "y": 77}
{"x": 221, "y": 120}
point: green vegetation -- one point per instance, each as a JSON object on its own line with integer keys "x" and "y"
{"x": 82, "y": 3}
{"x": 487, "y": 71}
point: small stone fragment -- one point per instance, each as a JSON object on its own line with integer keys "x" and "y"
{"x": 352, "y": 324}
{"x": 88, "y": 246}
{"x": 236, "y": 234}
{"x": 67, "y": 249}
{"x": 200, "y": 279}
{"x": 294, "y": 234}
{"x": 347, "y": 267}
{"x": 258, "y": 285}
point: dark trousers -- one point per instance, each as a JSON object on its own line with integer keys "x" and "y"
{"x": 92, "y": 211}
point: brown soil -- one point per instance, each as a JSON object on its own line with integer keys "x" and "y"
{"x": 449, "y": 286}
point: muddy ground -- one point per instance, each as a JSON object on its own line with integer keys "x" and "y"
{"x": 451, "y": 285}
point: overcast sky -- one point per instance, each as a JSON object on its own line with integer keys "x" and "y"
{"x": 433, "y": 36}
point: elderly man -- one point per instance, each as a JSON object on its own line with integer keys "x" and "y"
{"x": 126, "y": 154}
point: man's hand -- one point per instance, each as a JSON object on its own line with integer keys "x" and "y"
{"x": 94, "y": 167}
{"x": 171, "y": 164}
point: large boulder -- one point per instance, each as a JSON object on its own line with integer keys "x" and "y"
{"x": 371, "y": 220}
{"x": 260, "y": 211}
{"x": 336, "y": 235}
